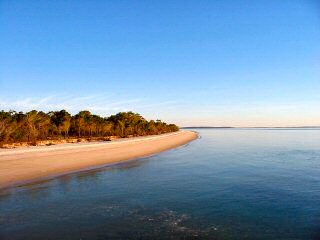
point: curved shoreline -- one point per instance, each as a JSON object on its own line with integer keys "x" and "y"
{"x": 21, "y": 166}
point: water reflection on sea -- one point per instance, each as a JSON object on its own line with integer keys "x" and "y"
{"x": 230, "y": 184}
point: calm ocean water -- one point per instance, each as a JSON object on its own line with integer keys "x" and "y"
{"x": 229, "y": 184}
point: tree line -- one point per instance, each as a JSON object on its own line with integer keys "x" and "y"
{"x": 37, "y": 125}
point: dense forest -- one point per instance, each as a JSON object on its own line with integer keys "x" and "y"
{"x": 37, "y": 125}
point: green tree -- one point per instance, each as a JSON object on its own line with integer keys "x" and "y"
{"x": 34, "y": 125}
{"x": 61, "y": 120}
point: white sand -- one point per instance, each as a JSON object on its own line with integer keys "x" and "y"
{"x": 22, "y": 165}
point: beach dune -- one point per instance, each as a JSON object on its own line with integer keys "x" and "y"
{"x": 24, "y": 165}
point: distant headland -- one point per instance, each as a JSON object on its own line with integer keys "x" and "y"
{"x": 294, "y": 127}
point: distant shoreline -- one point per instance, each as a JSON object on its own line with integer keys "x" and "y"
{"x": 307, "y": 127}
{"x": 25, "y": 165}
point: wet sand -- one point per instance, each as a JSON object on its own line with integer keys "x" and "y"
{"x": 24, "y": 165}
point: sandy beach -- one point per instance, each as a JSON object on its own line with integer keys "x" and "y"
{"x": 24, "y": 165}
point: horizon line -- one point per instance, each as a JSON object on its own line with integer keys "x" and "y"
{"x": 249, "y": 127}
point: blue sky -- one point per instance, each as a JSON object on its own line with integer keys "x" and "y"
{"x": 219, "y": 63}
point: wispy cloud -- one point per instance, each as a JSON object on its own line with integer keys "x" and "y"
{"x": 96, "y": 103}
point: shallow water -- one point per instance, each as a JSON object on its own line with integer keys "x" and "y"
{"x": 229, "y": 184}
